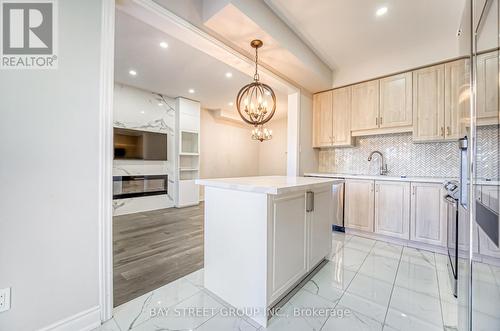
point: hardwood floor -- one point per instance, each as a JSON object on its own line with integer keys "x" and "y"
{"x": 154, "y": 248}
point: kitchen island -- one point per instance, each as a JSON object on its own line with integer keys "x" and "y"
{"x": 263, "y": 235}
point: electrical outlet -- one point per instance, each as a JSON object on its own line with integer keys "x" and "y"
{"x": 4, "y": 299}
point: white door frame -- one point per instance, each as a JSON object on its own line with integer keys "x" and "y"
{"x": 162, "y": 19}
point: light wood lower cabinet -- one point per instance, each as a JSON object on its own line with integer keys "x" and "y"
{"x": 428, "y": 223}
{"x": 359, "y": 204}
{"x": 392, "y": 209}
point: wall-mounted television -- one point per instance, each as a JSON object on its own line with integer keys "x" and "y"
{"x": 139, "y": 145}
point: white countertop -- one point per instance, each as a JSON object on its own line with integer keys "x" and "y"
{"x": 267, "y": 184}
{"x": 379, "y": 177}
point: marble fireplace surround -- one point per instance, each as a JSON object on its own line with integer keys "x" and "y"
{"x": 403, "y": 157}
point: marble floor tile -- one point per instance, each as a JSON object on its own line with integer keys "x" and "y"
{"x": 351, "y": 321}
{"x": 360, "y": 243}
{"x": 108, "y": 326}
{"x": 303, "y": 304}
{"x": 196, "y": 278}
{"x": 370, "y": 288}
{"x": 417, "y": 305}
{"x": 418, "y": 256}
{"x": 365, "y": 306}
{"x": 330, "y": 282}
{"x": 417, "y": 277}
{"x": 134, "y": 312}
{"x": 187, "y": 315}
{"x": 226, "y": 323}
{"x": 387, "y": 250}
{"x": 349, "y": 258}
{"x": 380, "y": 267}
{"x": 398, "y": 320}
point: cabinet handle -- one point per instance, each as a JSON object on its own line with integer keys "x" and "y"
{"x": 448, "y": 131}
{"x": 380, "y": 121}
{"x": 333, "y": 139}
{"x": 376, "y": 120}
{"x": 442, "y": 131}
{"x": 309, "y": 201}
{"x": 371, "y": 187}
{"x": 413, "y": 190}
{"x": 376, "y": 188}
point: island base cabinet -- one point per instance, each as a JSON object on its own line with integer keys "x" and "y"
{"x": 320, "y": 219}
{"x": 288, "y": 238}
{"x": 359, "y": 204}
{"x": 259, "y": 246}
{"x": 428, "y": 214}
{"x": 392, "y": 209}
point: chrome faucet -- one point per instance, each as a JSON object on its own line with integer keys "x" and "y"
{"x": 383, "y": 166}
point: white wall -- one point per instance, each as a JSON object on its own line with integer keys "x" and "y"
{"x": 272, "y": 153}
{"x": 226, "y": 149}
{"x": 49, "y": 147}
{"x": 308, "y": 156}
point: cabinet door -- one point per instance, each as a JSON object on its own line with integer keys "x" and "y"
{"x": 320, "y": 226}
{"x": 428, "y": 104}
{"x": 322, "y": 119}
{"x": 359, "y": 203}
{"x": 288, "y": 241}
{"x": 392, "y": 209}
{"x": 428, "y": 214}
{"x": 456, "y": 98}
{"x": 342, "y": 116}
{"x": 489, "y": 197}
{"x": 396, "y": 101}
{"x": 365, "y": 104}
{"x": 487, "y": 86}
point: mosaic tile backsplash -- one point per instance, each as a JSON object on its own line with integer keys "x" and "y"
{"x": 403, "y": 157}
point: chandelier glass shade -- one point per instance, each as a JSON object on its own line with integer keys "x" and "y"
{"x": 260, "y": 133}
{"x": 256, "y": 102}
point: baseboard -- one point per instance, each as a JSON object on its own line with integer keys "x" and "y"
{"x": 398, "y": 241}
{"x": 83, "y": 321}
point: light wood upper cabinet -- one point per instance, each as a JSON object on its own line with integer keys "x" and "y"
{"x": 487, "y": 88}
{"x": 392, "y": 209}
{"x": 322, "y": 119}
{"x": 456, "y": 93}
{"x": 428, "y": 214}
{"x": 396, "y": 101}
{"x": 428, "y": 104}
{"x": 365, "y": 106}
{"x": 359, "y": 204}
{"x": 341, "y": 114}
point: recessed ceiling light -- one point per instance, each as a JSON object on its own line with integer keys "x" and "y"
{"x": 381, "y": 11}
{"x": 142, "y": 111}
{"x": 160, "y": 104}
{"x": 163, "y": 44}
{"x": 230, "y": 103}
{"x": 229, "y": 74}
{"x": 191, "y": 91}
{"x": 132, "y": 73}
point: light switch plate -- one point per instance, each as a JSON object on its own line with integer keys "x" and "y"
{"x": 4, "y": 299}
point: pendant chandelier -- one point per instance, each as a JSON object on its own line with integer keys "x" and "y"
{"x": 256, "y": 102}
{"x": 260, "y": 133}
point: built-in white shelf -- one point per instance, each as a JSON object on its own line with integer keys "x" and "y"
{"x": 189, "y": 169}
{"x": 189, "y": 154}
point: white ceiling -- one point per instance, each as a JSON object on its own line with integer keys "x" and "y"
{"x": 347, "y": 33}
{"x": 176, "y": 69}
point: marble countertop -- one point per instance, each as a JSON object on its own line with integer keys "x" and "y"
{"x": 379, "y": 177}
{"x": 267, "y": 184}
